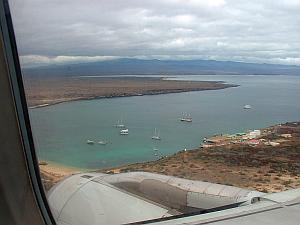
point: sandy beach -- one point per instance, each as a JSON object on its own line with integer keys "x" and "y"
{"x": 52, "y": 173}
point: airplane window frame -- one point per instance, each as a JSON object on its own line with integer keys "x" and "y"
{"x": 17, "y": 89}
{"x": 29, "y": 150}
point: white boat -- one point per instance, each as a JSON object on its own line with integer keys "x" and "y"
{"x": 156, "y": 135}
{"x": 120, "y": 124}
{"x": 102, "y": 142}
{"x": 189, "y": 119}
{"x": 186, "y": 118}
{"x": 89, "y": 142}
{"x": 247, "y": 107}
{"x": 124, "y": 132}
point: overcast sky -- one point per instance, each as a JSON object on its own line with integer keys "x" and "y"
{"x": 62, "y": 31}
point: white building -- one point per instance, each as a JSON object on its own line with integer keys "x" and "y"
{"x": 254, "y": 134}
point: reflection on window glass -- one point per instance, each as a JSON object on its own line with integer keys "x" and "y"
{"x": 164, "y": 108}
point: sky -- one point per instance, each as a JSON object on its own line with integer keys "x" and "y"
{"x": 71, "y": 31}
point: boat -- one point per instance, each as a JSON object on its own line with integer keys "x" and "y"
{"x": 120, "y": 124}
{"x": 124, "y": 132}
{"x": 247, "y": 107}
{"x": 155, "y": 149}
{"x": 89, "y": 142}
{"x": 156, "y": 135}
{"x": 186, "y": 118}
{"x": 189, "y": 119}
{"x": 102, "y": 142}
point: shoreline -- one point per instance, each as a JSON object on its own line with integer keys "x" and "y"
{"x": 58, "y": 168}
{"x": 267, "y": 162}
{"x": 122, "y": 96}
{"x": 51, "y": 91}
{"x": 269, "y": 166}
{"x": 52, "y": 173}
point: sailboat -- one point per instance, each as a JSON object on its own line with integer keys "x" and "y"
{"x": 156, "y": 135}
{"x": 120, "y": 124}
{"x": 186, "y": 118}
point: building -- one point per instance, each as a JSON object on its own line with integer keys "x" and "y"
{"x": 254, "y": 134}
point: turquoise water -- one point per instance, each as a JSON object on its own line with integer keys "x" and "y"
{"x": 60, "y": 131}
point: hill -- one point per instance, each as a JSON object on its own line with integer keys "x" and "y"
{"x": 130, "y": 66}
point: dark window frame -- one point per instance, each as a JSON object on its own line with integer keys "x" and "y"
{"x": 16, "y": 82}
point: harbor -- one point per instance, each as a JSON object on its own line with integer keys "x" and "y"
{"x": 254, "y": 138}
{"x": 61, "y": 131}
{"x": 261, "y": 167}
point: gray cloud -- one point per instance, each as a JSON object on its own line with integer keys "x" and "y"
{"x": 77, "y": 30}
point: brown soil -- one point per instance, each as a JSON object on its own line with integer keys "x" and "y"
{"x": 263, "y": 168}
{"x": 41, "y": 91}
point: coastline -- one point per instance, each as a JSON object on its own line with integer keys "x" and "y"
{"x": 52, "y": 173}
{"x": 270, "y": 166}
{"x": 121, "y": 96}
{"x": 51, "y": 91}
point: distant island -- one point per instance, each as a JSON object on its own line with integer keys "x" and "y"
{"x": 47, "y": 91}
{"x": 133, "y": 66}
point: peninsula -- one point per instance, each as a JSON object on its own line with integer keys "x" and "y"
{"x": 44, "y": 91}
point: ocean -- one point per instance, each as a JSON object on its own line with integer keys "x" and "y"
{"x": 61, "y": 131}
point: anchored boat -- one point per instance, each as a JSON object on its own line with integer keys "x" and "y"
{"x": 186, "y": 118}
{"x": 102, "y": 142}
{"x": 89, "y": 142}
{"x": 156, "y": 135}
{"x": 124, "y": 132}
{"x": 120, "y": 124}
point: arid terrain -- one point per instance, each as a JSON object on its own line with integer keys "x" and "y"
{"x": 262, "y": 167}
{"x": 271, "y": 165}
{"x": 47, "y": 91}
